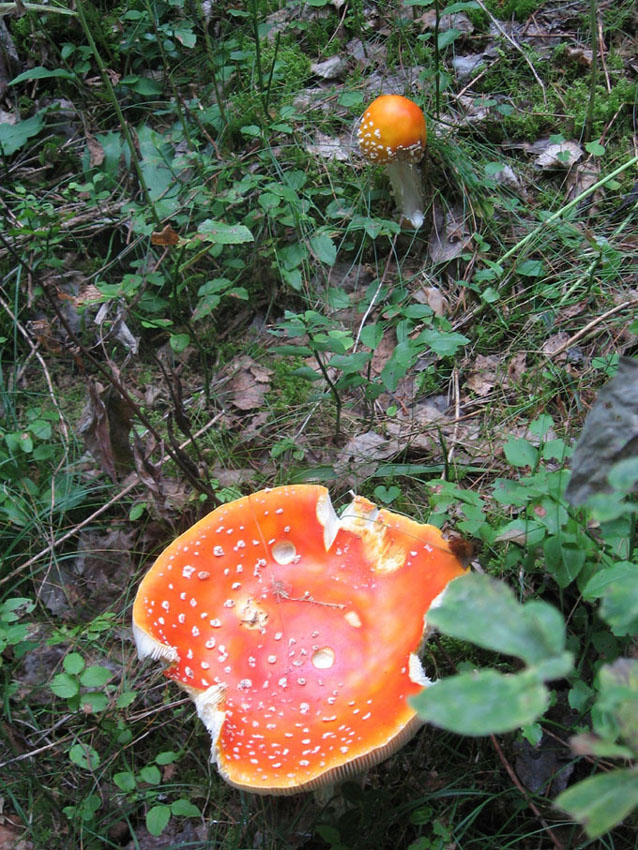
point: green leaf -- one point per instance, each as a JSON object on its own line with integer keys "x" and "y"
{"x": 125, "y": 781}
{"x": 533, "y": 632}
{"x": 185, "y": 809}
{"x": 95, "y": 676}
{"x": 95, "y": 701}
{"x": 84, "y": 756}
{"x": 448, "y": 37}
{"x": 595, "y": 148}
{"x": 150, "y": 774}
{"x": 531, "y": 268}
{"x": 15, "y": 136}
{"x": 443, "y": 344}
{"x": 223, "y": 234}
{"x": 371, "y": 335}
{"x": 601, "y": 801}
{"x": 157, "y": 819}
{"x": 323, "y": 248}
{"x": 179, "y": 342}
{"x": 41, "y": 73}
{"x": 483, "y": 702}
{"x": 65, "y": 686}
{"x": 73, "y": 663}
{"x": 520, "y": 452}
{"x": 166, "y": 757}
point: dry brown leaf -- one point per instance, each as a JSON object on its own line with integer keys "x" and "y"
{"x": 517, "y": 367}
{"x": 555, "y": 342}
{"x": 559, "y": 156}
{"x": 449, "y": 235}
{"x": 10, "y": 838}
{"x": 434, "y": 298}
{"x": 484, "y": 375}
{"x": 96, "y": 151}
{"x": 249, "y": 383}
{"x": 166, "y": 237}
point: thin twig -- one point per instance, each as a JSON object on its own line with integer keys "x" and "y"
{"x": 516, "y": 46}
{"x": 592, "y": 325}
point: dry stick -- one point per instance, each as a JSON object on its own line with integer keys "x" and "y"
{"x": 516, "y": 47}
{"x": 591, "y": 325}
{"x": 512, "y": 775}
{"x": 77, "y": 528}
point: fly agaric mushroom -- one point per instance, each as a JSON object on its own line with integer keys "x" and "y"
{"x": 296, "y": 632}
{"x": 392, "y": 132}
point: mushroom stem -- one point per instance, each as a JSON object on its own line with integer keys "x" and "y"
{"x": 408, "y": 191}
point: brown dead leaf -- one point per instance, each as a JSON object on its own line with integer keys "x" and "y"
{"x": 10, "y": 838}
{"x": 166, "y": 237}
{"x": 96, "y": 151}
{"x": 249, "y": 383}
{"x": 554, "y": 343}
{"x": 449, "y": 235}
{"x": 484, "y": 375}
{"x": 105, "y": 426}
{"x": 517, "y": 367}
{"x": 434, "y": 298}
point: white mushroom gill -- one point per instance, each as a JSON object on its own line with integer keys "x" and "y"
{"x": 416, "y": 672}
{"x": 148, "y": 646}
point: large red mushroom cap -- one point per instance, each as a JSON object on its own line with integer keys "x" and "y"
{"x": 296, "y": 632}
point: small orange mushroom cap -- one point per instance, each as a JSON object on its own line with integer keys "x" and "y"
{"x": 392, "y": 127}
{"x": 296, "y": 632}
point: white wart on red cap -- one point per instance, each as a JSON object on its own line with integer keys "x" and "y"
{"x": 296, "y": 632}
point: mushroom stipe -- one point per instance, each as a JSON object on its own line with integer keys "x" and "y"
{"x": 296, "y": 632}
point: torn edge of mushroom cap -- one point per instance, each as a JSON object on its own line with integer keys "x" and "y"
{"x": 207, "y": 704}
{"x": 327, "y": 517}
{"x": 416, "y": 672}
{"x": 146, "y": 646}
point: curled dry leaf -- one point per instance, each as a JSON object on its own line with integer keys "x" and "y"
{"x": 559, "y": 156}
{"x": 484, "y": 375}
{"x": 166, "y": 237}
{"x": 248, "y": 384}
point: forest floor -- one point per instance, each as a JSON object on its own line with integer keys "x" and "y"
{"x": 206, "y": 291}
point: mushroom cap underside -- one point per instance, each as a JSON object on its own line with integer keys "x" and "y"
{"x": 296, "y": 632}
{"x": 392, "y": 127}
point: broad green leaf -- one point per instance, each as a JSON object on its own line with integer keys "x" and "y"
{"x": 533, "y": 632}
{"x": 371, "y": 335}
{"x": 157, "y": 819}
{"x": 185, "y": 809}
{"x": 125, "y": 781}
{"x": 531, "y": 268}
{"x": 323, "y": 248}
{"x": 443, "y": 344}
{"x": 73, "y": 663}
{"x": 95, "y": 676}
{"x": 65, "y": 686}
{"x": 41, "y": 73}
{"x": 15, "y": 136}
{"x": 619, "y": 607}
{"x": 520, "y": 452}
{"x": 601, "y": 801}
{"x": 483, "y": 702}
{"x": 151, "y": 774}
{"x": 179, "y": 342}
{"x": 84, "y": 756}
{"x": 166, "y": 757}
{"x": 223, "y": 234}
{"x": 95, "y": 701}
